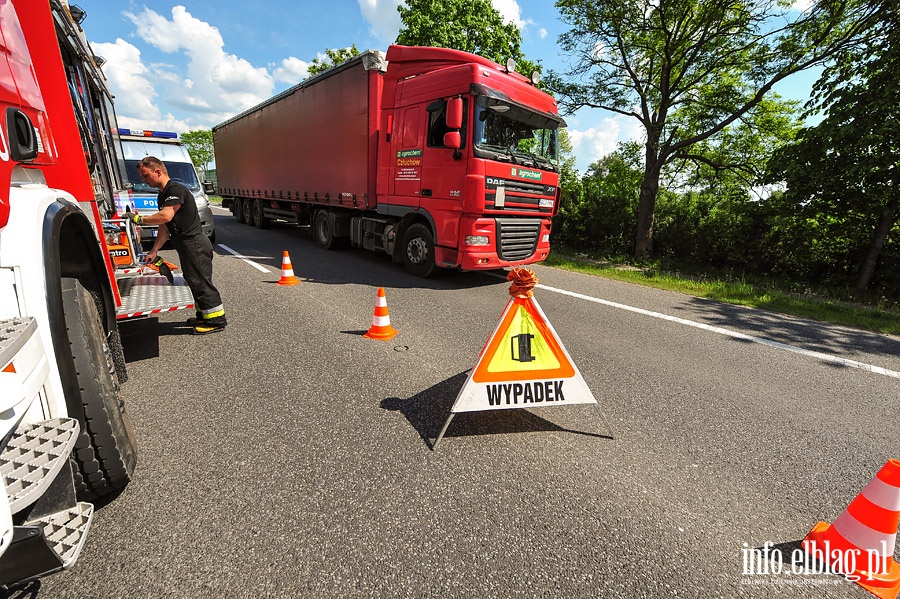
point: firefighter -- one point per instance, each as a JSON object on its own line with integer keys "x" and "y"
{"x": 178, "y": 212}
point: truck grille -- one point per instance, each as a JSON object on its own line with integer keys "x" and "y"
{"x": 517, "y": 237}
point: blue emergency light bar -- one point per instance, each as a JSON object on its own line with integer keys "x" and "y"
{"x": 146, "y": 133}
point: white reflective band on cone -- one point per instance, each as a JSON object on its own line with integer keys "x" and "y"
{"x": 860, "y": 535}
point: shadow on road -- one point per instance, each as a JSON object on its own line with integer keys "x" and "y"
{"x": 428, "y": 410}
{"x": 809, "y": 334}
{"x": 140, "y": 338}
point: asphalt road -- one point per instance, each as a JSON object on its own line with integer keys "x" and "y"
{"x": 291, "y": 457}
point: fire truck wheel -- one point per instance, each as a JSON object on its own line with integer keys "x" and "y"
{"x": 418, "y": 251}
{"x": 259, "y": 218}
{"x": 237, "y": 208}
{"x": 323, "y": 230}
{"x": 248, "y": 212}
{"x": 105, "y": 452}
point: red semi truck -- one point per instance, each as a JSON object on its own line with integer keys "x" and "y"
{"x": 440, "y": 158}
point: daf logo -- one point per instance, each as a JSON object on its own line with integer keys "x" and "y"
{"x": 497, "y": 182}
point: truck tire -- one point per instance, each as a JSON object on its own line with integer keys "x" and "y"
{"x": 323, "y": 230}
{"x": 105, "y": 452}
{"x": 238, "y": 209}
{"x": 248, "y": 212}
{"x": 418, "y": 251}
{"x": 259, "y": 217}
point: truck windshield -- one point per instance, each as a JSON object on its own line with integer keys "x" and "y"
{"x": 511, "y": 133}
{"x": 182, "y": 172}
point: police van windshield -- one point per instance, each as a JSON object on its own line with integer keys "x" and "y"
{"x": 510, "y": 133}
{"x": 182, "y": 172}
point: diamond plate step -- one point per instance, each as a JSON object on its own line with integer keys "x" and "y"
{"x": 13, "y": 335}
{"x": 45, "y": 545}
{"x": 33, "y": 458}
{"x": 152, "y": 294}
{"x": 66, "y": 531}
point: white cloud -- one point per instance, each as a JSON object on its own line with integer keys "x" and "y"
{"x": 542, "y": 32}
{"x": 383, "y": 18}
{"x": 590, "y": 145}
{"x": 292, "y": 70}
{"x": 214, "y": 86}
{"x": 510, "y": 11}
{"x": 136, "y": 106}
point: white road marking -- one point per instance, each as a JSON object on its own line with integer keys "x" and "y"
{"x": 699, "y": 325}
{"x": 244, "y": 258}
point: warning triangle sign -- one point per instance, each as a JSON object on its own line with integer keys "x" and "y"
{"x": 523, "y": 365}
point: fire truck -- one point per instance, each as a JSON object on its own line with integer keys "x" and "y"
{"x": 70, "y": 271}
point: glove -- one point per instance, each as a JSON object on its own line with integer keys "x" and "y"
{"x": 160, "y": 265}
{"x": 136, "y": 218}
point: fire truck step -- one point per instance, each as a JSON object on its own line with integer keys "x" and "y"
{"x": 34, "y": 456}
{"x": 152, "y": 294}
{"x": 45, "y": 545}
{"x": 65, "y": 530}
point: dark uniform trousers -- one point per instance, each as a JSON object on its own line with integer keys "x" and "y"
{"x": 196, "y": 254}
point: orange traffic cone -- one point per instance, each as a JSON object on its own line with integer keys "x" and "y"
{"x": 287, "y": 271}
{"x": 860, "y": 543}
{"x": 381, "y": 321}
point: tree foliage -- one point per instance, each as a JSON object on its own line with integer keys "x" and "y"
{"x": 845, "y": 171}
{"x": 331, "y": 58}
{"x": 199, "y": 144}
{"x": 470, "y": 25}
{"x": 688, "y": 70}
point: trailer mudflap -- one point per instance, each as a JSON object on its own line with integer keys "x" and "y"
{"x": 150, "y": 294}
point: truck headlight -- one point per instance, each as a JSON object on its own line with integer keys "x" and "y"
{"x": 545, "y": 238}
{"x": 477, "y": 240}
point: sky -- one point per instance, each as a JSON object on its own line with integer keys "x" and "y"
{"x": 192, "y": 65}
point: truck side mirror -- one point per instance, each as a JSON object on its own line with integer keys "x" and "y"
{"x": 452, "y": 139}
{"x": 209, "y": 188}
{"x": 455, "y": 114}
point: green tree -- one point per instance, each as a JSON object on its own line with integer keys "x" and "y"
{"x": 199, "y": 144}
{"x": 688, "y": 69}
{"x": 601, "y": 217}
{"x": 846, "y": 169}
{"x": 470, "y": 25}
{"x": 332, "y": 58}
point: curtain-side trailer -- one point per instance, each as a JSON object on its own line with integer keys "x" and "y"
{"x": 437, "y": 157}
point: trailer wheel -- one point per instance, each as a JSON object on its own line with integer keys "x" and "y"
{"x": 418, "y": 251}
{"x": 105, "y": 452}
{"x": 323, "y": 230}
{"x": 259, "y": 217}
{"x": 248, "y": 212}
{"x": 238, "y": 209}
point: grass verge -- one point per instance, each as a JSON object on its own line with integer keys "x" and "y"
{"x": 757, "y": 295}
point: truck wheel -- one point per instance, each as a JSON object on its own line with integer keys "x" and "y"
{"x": 248, "y": 212}
{"x": 259, "y": 218}
{"x": 105, "y": 452}
{"x": 418, "y": 251}
{"x": 323, "y": 230}
{"x": 238, "y": 209}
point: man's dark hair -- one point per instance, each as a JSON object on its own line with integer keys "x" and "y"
{"x": 153, "y": 163}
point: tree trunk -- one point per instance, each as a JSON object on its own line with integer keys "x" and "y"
{"x": 646, "y": 208}
{"x": 885, "y": 224}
